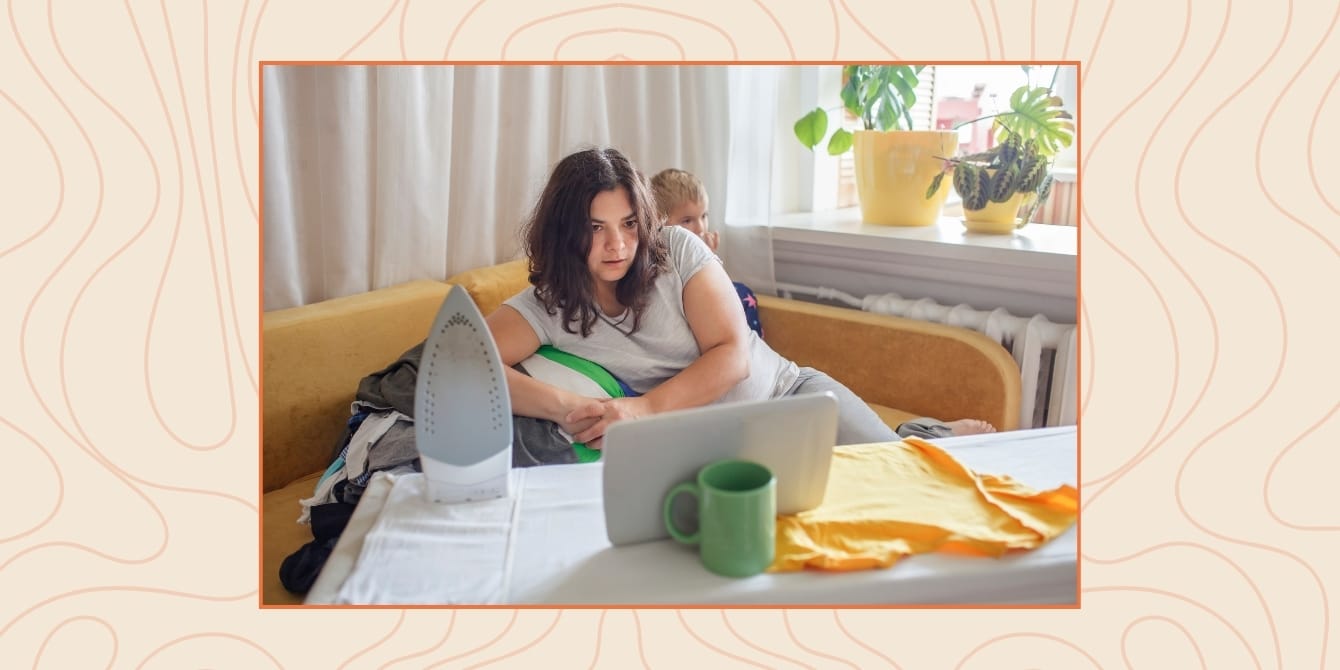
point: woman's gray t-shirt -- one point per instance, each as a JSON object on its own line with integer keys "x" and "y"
{"x": 663, "y": 344}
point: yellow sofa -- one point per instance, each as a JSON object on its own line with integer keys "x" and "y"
{"x": 315, "y": 355}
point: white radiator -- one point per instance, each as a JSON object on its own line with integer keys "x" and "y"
{"x": 1045, "y": 351}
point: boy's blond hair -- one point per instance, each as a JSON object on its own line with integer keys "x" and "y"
{"x": 672, "y": 187}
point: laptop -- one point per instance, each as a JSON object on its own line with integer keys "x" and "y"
{"x": 644, "y": 458}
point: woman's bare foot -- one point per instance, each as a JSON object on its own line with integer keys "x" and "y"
{"x": 970, "y": 427}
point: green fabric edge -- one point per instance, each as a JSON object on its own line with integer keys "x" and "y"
{"x": 595, "y": 373}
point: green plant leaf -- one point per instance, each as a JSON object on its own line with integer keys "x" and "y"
{"x": 1017, "y": 98}
{"x": 1036, "y": 114}
{"x": 1044, "y": 190}
{"x": 840, "y": 142}
{"x": 935, "y": 184}
{"x": 851, "y": 92}
{"x": 869, "y": 95}
{"x": 812, "y": 127}
{"x": 879, "y": 90}
{"x": 888, "y": 116}
{"x": 905, "y": 80}
{"x": 880, "y": 95}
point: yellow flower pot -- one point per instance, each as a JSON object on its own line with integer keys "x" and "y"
{"x": 997, "y": 217}
{"x": 892, "y": 171}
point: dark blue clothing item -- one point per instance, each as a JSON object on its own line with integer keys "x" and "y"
{"x": 750, "y": 304}
{"x": 628, "y": 391}
{"x": 299, "y": 570}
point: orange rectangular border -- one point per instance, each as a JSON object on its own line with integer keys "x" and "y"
{"x": 1079, "y": 347}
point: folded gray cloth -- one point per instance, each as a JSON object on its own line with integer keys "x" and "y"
{"x": 392, "y": 387}
{"x": 538, "y": 442}
{"x": 534, "y": 441}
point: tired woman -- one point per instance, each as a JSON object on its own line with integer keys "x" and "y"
{"x": 653, "y": 306}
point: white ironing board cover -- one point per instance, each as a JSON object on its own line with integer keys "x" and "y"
{"x": 554, "y": 549}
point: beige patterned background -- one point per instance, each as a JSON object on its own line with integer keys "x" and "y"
{"x": 129, "y": 355}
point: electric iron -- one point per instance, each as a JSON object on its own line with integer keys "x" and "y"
{"x": 462, "y": 413}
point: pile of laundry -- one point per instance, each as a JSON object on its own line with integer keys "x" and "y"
{"x": 379, "y": 437}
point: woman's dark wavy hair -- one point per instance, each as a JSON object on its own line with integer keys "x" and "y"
{"x": 558, "y": 237}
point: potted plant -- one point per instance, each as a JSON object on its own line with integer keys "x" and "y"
{"x": 1002, "y": 187}
{"x": 892, "y": 161}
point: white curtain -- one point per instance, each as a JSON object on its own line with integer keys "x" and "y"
{"x": 746, "y": 245}
{"x": 377, "y": 175}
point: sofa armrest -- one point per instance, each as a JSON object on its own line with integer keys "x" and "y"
{"x": 925, "y": 368}
{"x": 314, "y": 357}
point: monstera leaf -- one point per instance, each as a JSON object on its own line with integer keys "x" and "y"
{"x": 1036, "y": 114}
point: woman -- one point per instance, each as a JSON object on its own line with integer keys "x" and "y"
{"x": 651, "y": 304}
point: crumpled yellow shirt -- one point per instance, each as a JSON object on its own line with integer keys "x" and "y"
{"x": 886, "y": 501}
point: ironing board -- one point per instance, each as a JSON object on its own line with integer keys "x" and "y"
{"x": 556, "y": 551}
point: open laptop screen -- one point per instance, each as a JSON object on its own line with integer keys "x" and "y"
{"x": 644, "y": 458}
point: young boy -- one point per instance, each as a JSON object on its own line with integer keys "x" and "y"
{"x": 682, "y": 201}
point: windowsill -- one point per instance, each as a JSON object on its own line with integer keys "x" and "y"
{"x": 1033, "y": 271}
{"x": 1065, "y": 173}
{"x": 1034, "y": 245}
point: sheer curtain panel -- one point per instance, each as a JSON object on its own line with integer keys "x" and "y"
{"x": 378, "y": 175}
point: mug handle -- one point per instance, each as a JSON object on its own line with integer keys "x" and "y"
{"x": 691, "y": 489}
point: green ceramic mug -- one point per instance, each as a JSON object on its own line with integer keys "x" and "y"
{"x": 737, "y": 517}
